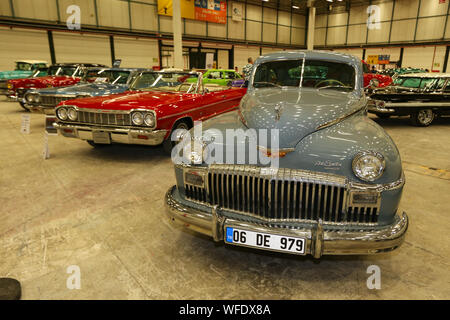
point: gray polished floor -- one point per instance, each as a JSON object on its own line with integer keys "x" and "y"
{"x": 102, "y": 210}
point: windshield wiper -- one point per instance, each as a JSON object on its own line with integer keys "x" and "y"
{"x": 271, "y": 83}
{"x": 336, "y": 87}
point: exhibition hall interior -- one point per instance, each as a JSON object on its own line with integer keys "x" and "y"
{"x": 224, "y": 150}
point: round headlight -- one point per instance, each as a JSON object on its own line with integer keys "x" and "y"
{"x": 149, "y": 119}
{"x": 30, "y": 98}
{"x": 36, "y": 98}
{"x": 72, "y": 114}
{"x": 137, "y": 118}
{"x": 368, "y": 166}
{"x": 193, "y": 152}
{"x": 62, "y": 113}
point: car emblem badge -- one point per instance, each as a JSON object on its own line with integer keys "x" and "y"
{"x": 278, "y": 109}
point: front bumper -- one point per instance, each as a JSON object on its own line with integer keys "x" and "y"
{"x": 379, "y": 109}
{"x": 117, "y": 135}
{"x": 318, "y": 240}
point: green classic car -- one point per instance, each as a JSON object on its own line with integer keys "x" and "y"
{"x": 221, "y": 77}
{"x": 25, "y": 69}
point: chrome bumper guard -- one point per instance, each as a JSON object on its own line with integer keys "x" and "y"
{"x": 318, "y": 240}
{"x": 41, "y": 109}
{"x": 117, "y": 135}
{"x": 377, "y": 109}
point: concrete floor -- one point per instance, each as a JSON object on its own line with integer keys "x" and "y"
{"x": 103, "y": 211}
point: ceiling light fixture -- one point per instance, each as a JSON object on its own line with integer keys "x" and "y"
{"x": 295, "y": 7}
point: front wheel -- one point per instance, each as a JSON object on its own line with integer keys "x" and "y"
{"x": 23, "y": 105}
{"x": 422, "y": 118}
{"x": 168, "y": 144}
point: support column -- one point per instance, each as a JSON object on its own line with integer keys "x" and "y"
{"x": 177, "y": 40}
{"x": 311, "y": 25}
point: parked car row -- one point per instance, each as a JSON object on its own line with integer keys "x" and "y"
{"x": 422, "y": 96}
{"x": 288, "y": 162}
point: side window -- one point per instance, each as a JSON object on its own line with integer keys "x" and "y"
{"x": 447, "y": 87}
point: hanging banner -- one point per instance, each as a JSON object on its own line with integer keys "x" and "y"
{"x": 203, "y": 10}
{"x": 236, "y": 9}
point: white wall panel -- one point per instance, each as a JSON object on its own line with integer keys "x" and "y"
{"x": 298, "y": 20}
{"x": 74, "y": 47}
{"x": 165, "y": 24}
{"x": 355, "y": 52}
{"x": 194, "y": 27}
{"x": 284, "y": 18}
{"x": 424, "y": 57}
{"x": 254, "y": 12}
{"x": 321, "y": 21}
{"x": 5, "y": 8}
{"x": 358, "y": 14}
{"x": 433, "y": 8}
{"x": 35, "y": 9}
{"x": 357, "y": 34}
{"x": 113, "y": 13}
{"x": 253, "y": 31}
{"x": 137, "y": 53}
{"x": 269, "y": 32}
{"x": 407, "y": 9}
{"x": 336, "y": 35}
{"x": 269, "y": 15}
{"x": 298, "y": 36}
{"x": 242, "y": 53}
{"x": 403, "y": 30}
{"x": 430, "y": 28}
{"x": 319, "y": 36}
{"x": 22, "y": 44}
{"x": 379, "y": 35}
{"x": 284, "y": 34}
{"x": 144, "y": 17}
{"x": 87, "y": 10}
{"x": 222, "y": 57}
{"x": 339, "y": 19}
{"x": 217, "y": 30}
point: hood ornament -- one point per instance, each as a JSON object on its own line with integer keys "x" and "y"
{"x": 278, "y": 110}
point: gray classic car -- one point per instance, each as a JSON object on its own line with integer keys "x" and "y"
{"x": 96, "y": 82}
{"x": 299, "y": 168}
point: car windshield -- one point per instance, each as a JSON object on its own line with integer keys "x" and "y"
{"x": 316, "y": 74}
{"x": 167, "y": 81}
{"x": 413, "y": 82}
{"x": 62, "y": 71}
{"x": 108, "y": 76}
{"x": 23, "y": 66}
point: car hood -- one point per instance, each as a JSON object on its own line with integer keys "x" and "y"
{"x": 15, "y": 74}
{"x": 129, "y": 100}
{"x": 295, "y": 113}
{"x": 85, "y": 88}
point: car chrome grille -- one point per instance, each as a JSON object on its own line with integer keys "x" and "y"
{"x": 288, "y": 195}
{"x": 103, "y": 118}
{"x": 53, "y": 101}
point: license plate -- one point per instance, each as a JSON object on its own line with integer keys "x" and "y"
{"x": 265, "y": 241}
{"x": 101, "y": 137}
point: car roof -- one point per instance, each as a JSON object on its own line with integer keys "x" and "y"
{"x": 425, "y": 75}
{"x": 228, "y": 70}
{"x": 309, "y": 54}
{"x": 76, "y": 64}
{"x": 123, "y": 69}
{"x": 32, "y": 61}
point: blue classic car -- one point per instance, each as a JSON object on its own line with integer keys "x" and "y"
{"x": 96, "y": 82}
{"x": 299, "y": 168}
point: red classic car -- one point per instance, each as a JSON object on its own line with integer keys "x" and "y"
{"x": 59, "y": 75}
{"x": 157, "y": 104}
{"x": 375, "y": 79}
